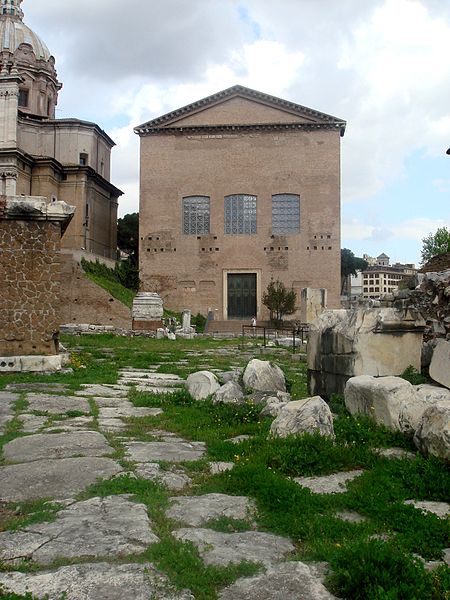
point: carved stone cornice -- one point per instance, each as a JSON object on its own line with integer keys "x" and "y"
{"x": 227, "y": 129}
{"x": 9, "y": 91}
{"x": 8, "y": 174}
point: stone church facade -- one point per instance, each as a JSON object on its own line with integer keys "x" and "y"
{"x": 60, "y": 159}
{"x": 236, "y": 189}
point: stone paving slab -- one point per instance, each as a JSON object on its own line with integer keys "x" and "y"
{"x": 112, "y": 425}
{"x": 110, "y": 402}
{"x": 239, "y": 438}
{"x": 166, "y": 451}
{"x": 57, "y": 404}
{"x": 395, "y": 453}
{"x": 97, "y": 581}
{"x": 103, "y": 390}
{"x": 350, "y": 516}
{"x": 71, "y": 424}
{"x": 128, "y": 411}
{"x": 224, "y": 549}
{"x": 7, "y": 400}
{"x": 38, "y": 387}
{"x": 150, "y": 389}
{"x": 149, "y": 375}
{"x": 286, "y": 581}
{"x": 198, "y": 510}
{"x": 440, "y": 509}
{"x": 32, "y": 423}
{"x": 56, "y": 479}
{"x": 56, "y": 445}
{"x": 220, "y": 467}
{"x": 328, "y": 484}
{"x": 97, "y": 527}
{"x": 8, "y": 397}
{"x": 174, "y": 480}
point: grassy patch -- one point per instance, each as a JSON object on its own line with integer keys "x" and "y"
{"x": 383, "y": 571}
{"x": 197, "y": 420}
{"x": 30, "y": 513}
{"x": 185, "y": 568}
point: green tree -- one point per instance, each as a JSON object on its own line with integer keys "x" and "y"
{"x": 279, "y": 300}
{"x": 435, "y": 243}
{"x": 128, "y": 236}
{"x": 350, "y": 265}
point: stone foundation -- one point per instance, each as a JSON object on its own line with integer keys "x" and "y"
{"x": 30, "y": 237}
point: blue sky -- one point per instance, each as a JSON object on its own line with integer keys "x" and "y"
{"x": 382, "y": 65}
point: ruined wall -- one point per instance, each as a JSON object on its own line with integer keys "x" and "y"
{"x": 30, "y": 281}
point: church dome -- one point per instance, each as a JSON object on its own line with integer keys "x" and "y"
{"x": 24, "y": 52}
{"x": 13, "y": 32}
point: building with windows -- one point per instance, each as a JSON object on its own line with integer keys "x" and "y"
{"x": 236, "y": 189}
{"x": 63, "y": 159}
{"x": 381, "y": 277}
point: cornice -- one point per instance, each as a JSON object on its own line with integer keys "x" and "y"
{"x": 229, "y": 129}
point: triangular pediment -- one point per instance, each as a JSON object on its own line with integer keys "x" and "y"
{"x": 240, "y": 107}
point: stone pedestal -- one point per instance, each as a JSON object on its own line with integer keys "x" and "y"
{"x": 147, "y": 312}
{"x": 372, "y": 341}
{"x": 313, "y": 303}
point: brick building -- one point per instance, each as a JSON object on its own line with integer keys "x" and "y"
{"x": 60, "y": 159}
{"x": 236, "y": 189}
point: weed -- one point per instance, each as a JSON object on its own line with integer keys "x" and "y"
{"x": 228, "y": 525}
{"x": 30, "y": 513}
{"x": 414, "y": 376}
{"x": 379, "y": 571}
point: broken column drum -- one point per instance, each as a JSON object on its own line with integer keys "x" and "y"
{"x": 367, "y": 341}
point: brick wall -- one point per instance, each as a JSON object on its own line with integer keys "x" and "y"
{"x": 189, "y": 271}
{"x": 30, "y": 282}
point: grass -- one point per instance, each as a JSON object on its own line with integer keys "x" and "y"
{"x": 116, "y": 289}
{"x": 373, "y": 558}
{"x": 30, "y": 513}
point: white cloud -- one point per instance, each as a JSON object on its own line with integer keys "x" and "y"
{"x": 383, "y": 65}
{"x": 410, "y": 229}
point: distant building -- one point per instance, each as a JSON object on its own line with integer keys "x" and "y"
{"x": 381, "y": 277}
{"x": 236, "y": 189}
{"x": 60, "y": 159}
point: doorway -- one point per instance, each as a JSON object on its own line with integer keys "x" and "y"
{"x": 241, "y": 295}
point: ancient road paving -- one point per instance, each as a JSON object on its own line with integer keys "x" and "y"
{"x": 91, "y": 549}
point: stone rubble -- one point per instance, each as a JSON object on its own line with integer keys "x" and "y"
{"x": 198, "y": 510}
{"x": 310, "y": 415}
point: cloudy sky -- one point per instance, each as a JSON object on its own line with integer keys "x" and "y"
{"x": 382, "y": 65}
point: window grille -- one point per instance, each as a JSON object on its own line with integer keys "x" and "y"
{"x": 285, "y": 214}
{"x": 196, "y": 215}
{"x": 240, "y": 214}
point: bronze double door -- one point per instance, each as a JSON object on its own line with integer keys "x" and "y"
{"x": 241, "y": 295}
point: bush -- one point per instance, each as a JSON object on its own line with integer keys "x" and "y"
{"x": 124, "y": 272}
{"x": 199, "y": 321}
{"x": 379, "y": 571}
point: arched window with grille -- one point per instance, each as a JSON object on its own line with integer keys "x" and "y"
{"x": 285, "y": 214}
{"x": 240, "y": 214}
{"x": 196, "y": 215}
